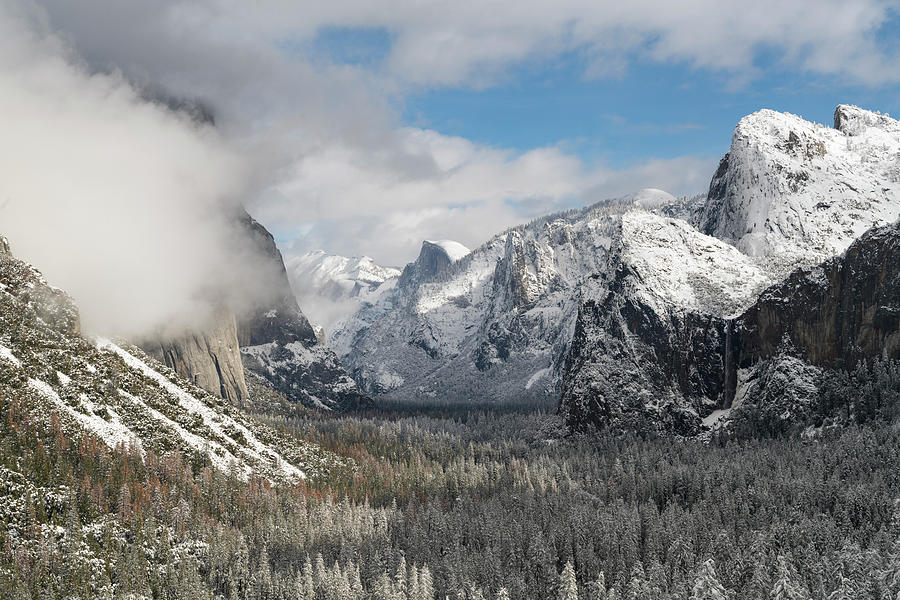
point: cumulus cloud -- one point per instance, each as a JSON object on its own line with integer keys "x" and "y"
{"x": 330, "y": 164}
{"x": 122, "y": 202}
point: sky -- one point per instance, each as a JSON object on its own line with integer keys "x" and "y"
{"x": 363, "y": 128}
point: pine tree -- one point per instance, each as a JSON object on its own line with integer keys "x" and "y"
{"x": 598, "y": 586}
{"x": 568, "y": 584}
{"x": 706, "y": 585}
{"x": 785, "y": 587}
{"x": 426, "y": 583}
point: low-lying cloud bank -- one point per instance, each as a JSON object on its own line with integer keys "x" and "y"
{"x": 124, "y": 203}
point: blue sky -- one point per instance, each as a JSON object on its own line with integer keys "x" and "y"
{"x": 658, "y": 110}
{"x": 367, "y": 127}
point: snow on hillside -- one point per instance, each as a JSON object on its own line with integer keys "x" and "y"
{"x": 117, "y": 393}
{"x": 788, "y": 186}
{"x": 680, "y": 267}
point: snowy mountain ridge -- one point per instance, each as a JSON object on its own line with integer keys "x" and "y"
{"x": 788, "y": 186}
{"x": 114, "y": 391}
{"x": 332, "y": 287}
{"x": 682, "y": 327}
{"x": 493, "y": 322}
{"x": 677, "y": 267}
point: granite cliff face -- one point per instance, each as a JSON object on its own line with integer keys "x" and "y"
{"x": 492, "y": 324}
{"x": 209, "y": 357}
{"x": 676, "y": 348}
{"x": 267, "y": 334}
{"x": 837, "y": 313}
{"x": 652, "y": 345}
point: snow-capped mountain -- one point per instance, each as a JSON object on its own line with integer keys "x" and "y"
{"x": 791, "y": 186}
{"x": 331, "y": 287}
{"x": 651, "y": 341}
{"x": 679, "y": 327}
{"x": 492, "y": 323}
{"x": 115, "y": 392}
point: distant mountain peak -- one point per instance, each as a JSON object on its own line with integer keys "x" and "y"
{"x": 453, "y": 250}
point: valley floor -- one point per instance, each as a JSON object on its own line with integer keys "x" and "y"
{"x": 461, "y": 504}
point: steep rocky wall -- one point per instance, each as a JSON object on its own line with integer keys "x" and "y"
{"x": 264, "y": 320}
{"x": 208, "y": 356}
{"x": 628, "y": 366}
{"x": 837, "y": 313}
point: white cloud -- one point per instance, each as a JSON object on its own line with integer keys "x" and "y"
{"x": 119, "y": 201}
{"x": 329, "y": 155}
{"x": 356, "y": 206}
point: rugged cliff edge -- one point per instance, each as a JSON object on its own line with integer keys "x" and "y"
{"x": 652, "y": 343}
{"x": 263, "y": 331}
{"x": 837, "y": 313}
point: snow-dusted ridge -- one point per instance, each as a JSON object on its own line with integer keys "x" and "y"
{"x": 330, "y": 288}
{"x": 682, "y": 327}
{"x": 788, "y": 186}
{"x": 113, "y": 391}
{"x": 485, "y": 323}
{"x": 680, "y": 268}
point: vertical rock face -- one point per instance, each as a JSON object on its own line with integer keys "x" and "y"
{"x": 262, "y": 329}
{"x": 434, "y": 260}
{"x": 209, "y": 357}
{"x": 842, "y": 311}
{"x": 672, "y": 333}
{"x": 652, "y": 344}
{"x": 273, "y": 316}
{"x": 279, "y": 344}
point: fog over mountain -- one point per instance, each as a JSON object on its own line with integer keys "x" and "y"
{"x": 121, "y": 201}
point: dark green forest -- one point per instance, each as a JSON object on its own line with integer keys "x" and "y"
{"x": 468, "y": 504}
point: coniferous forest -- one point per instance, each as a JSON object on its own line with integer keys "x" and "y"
{"x": 467, "y": 504}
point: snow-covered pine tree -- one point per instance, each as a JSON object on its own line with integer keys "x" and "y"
{"x": 786, "y": 588}
{"x": 568, "y": 584}
{"x": 706, "y": 585}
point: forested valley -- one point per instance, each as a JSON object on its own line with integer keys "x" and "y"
{"x": 463, "y": 504}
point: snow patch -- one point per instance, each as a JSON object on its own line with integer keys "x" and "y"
{"x": 111, "y": 429}
{"x": 213, "y": 419}
{"x": 8, "y": 355}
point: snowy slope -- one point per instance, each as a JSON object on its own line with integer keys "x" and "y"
{"x": 331, "y": 287}
{"x": 122, "y": 396}
{"x": 492, "y": 324}
{"x": 663, "y": 338}
{"x": 788, "y": 186}
{"x": 677, "y": 267}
